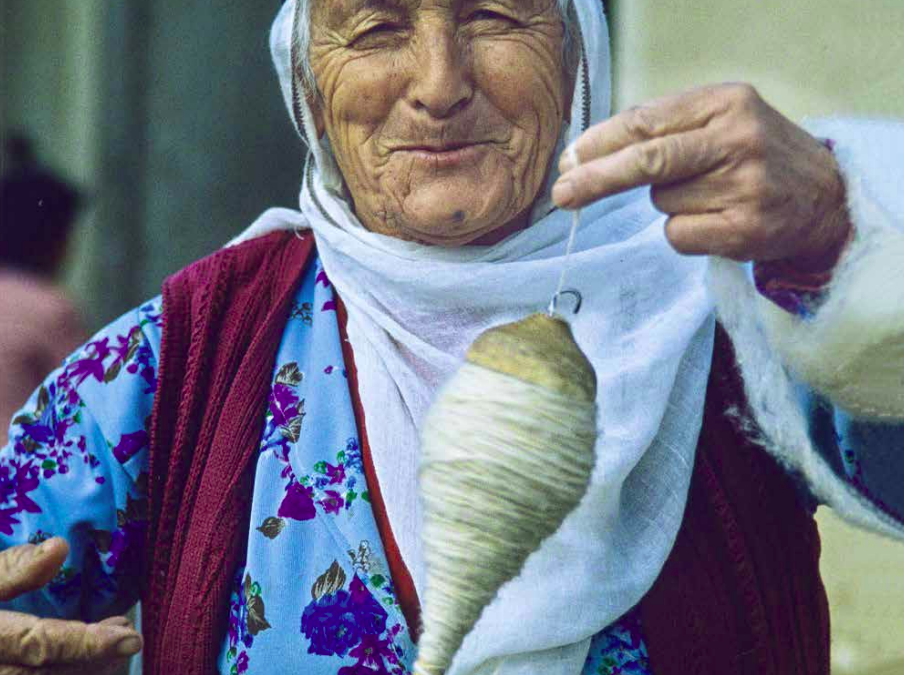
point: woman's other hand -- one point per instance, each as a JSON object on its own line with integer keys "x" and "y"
{"x": 736, "y": 178}
{"x": 34, "y": 646}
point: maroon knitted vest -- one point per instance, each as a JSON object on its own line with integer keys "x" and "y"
{"x": 740, "y": 593}
{"x": 223, "y": 320}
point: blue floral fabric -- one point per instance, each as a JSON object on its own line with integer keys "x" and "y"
{"x": 314, "y": 594}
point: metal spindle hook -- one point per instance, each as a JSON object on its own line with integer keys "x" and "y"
{"x": 579, "y": 300}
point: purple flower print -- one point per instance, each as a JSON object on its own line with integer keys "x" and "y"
{"x": 298, "y": 504}
{"x": 322, "y": 279}
{"x": 46, "y": 427}
{"x": 332, "y": 502}
{"x": 93, "y": 364}
{"x": 16, "y": 481}
{"x": 126, "y": 547}
{"x": 338, "y": 621}
{"x": 130, "y": 445}
{"x": 371, "y": 654}
{"x": 353, "y": 458}
{"x": 360, "y": 669}
{"x": 330, "y": 625}
{"x": 335, "y": 473}
{"x": 8, "y": 519}
{"x": 239, "y": 636}
{"x": 287, "y": 411}
{"x": 143, "y": 365}
{"x": 131, "y": 352}
{"x": 329, "y": 306}
{"x": 283, "y": 404}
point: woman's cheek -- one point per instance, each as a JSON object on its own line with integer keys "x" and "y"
{"x": 359, "y": 108}
{"x": 525, "y": 85}
{"x": 362, "y": 98}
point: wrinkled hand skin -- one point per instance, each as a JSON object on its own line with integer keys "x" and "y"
{"x": 735, "y": 177}
{"x": 30, "y": 645}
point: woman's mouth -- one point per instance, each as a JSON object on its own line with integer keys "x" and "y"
{"x": 445, "y": 157}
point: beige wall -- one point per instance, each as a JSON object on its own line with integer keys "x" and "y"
{"x": 808, "y": 58}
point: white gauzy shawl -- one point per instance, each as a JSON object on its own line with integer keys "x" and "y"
{"x": 647, "y": 328}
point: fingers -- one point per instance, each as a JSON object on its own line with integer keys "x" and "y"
{"x": 29, "y": 641}
{"x": 663, "y": 117}
{"x": 112, "y": 668}
{"x": 659, "y": 161}
{"x": 703, "y": 194}
{"x": 30, "y": 645}
{"x": 27, "y": 568}
{"x": 710, "y": 234}
{"x": 117, "y": 621}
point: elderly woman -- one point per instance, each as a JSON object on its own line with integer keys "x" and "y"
{"x": 241, "y": 453}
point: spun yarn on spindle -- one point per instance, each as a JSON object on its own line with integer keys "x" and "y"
{"x": 507, "y": 454}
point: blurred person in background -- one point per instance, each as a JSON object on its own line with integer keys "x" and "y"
{"x": 39, "y": 324}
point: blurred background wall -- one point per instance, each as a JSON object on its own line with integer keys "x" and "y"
{"x": 807, "y": 58}
{"x": 167, "y": 113}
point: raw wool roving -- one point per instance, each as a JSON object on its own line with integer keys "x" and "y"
{"x": 851, "y": 349}
{"x": 507, "y": 454}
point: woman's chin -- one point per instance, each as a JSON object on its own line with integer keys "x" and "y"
{"x": 454, "y": 217}
{"x": 448, "y": 229}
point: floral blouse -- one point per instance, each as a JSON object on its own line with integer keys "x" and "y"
{"x": 314, "y": 594}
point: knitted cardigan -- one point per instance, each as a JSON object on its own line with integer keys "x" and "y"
{"x": 740, "y": 592}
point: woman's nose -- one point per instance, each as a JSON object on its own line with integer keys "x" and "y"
{"x": 441, "y": 83}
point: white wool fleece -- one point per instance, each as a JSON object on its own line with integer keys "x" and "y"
{"x": 852, "y": 350}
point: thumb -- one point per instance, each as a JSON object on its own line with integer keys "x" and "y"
{"x": 27, "y": 568}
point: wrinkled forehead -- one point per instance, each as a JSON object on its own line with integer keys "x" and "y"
{"x": 337, "y": 12}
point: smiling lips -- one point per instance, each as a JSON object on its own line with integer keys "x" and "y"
{"x": 445, "y": 156}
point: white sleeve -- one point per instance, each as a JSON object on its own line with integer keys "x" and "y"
{"x": 852, "y": 349}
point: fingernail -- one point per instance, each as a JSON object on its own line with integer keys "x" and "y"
{"x": 126, "y": 641}
{"x": 563, "y": 193}
{"x": 129, "y": 646}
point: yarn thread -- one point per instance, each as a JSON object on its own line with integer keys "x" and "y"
{"x": 572, "y": 235}
{"x": 503, "y": 463}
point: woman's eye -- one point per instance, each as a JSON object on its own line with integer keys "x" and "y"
{"x": 377, "y": 31}
{"x": 489, "y": 15}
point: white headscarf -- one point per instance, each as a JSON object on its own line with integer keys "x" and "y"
{"x": 646, "y": 325}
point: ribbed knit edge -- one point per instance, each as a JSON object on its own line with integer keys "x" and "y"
{"x": 223, "y": 321}
{"x": 740, "y": 593}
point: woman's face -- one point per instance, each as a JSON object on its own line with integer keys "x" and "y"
{"x": 442, "y": 114}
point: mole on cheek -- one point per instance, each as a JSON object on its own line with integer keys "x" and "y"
{"x": 458, "y": 216}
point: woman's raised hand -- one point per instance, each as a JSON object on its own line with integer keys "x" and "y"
{"x": 736, "y": 178}
{"x": 33, "y": 646}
